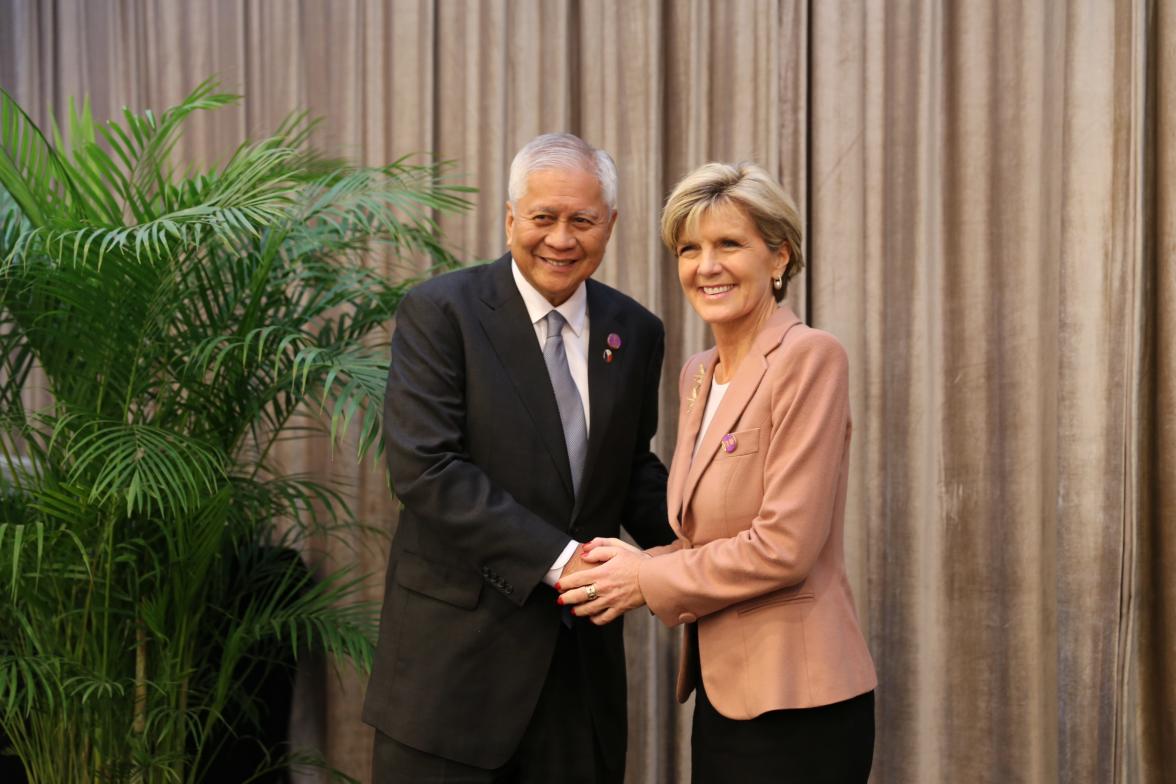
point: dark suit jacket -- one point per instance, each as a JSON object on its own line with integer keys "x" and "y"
{"x": 476, "y": 453}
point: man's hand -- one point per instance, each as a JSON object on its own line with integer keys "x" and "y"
{"x": 612, "y": 568}
{"x": 575, "y": 564}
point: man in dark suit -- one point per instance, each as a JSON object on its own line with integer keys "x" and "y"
{"x": 521, "y": 400}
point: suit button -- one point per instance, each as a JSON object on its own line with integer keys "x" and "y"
{"x": 687, "y": 618}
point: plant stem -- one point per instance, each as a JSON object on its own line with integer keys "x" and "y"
{"x": 140, "y": 724}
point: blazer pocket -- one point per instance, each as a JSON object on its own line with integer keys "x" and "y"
{"x": 742, "y": 470}
{"x": 453, "y": 585}
{"x": 746, "y": 443}
{"x": 774, "y": 599}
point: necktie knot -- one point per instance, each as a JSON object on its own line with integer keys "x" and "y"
{"x": 555, "y": 324}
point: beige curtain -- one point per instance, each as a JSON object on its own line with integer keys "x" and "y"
{"x": 990, "y": 197}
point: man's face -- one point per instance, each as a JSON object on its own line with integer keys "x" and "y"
{"x": 558, "y": 230}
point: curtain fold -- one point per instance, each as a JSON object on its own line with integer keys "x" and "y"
{"x": 1151, "y": 732}
{"x": 989, "y": 192}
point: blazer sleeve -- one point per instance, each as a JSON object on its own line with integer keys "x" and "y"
{"x": 809, "y": 436}
{"x": 645, "y": 504}
{"x": 431, "y": 471}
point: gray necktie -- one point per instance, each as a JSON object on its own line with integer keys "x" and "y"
{"x": 567, "y": 397}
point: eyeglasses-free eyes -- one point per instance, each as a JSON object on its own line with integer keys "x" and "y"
{"x": 578, "y": 222}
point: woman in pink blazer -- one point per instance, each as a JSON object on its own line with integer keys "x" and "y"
{"x": 756, "y": 494}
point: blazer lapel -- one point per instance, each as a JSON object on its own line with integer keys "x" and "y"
{"x": 512, "y": 336}
{"x": 698, "y": 378}
{"x": 743, "y": 387}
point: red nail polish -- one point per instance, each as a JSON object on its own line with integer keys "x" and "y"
{"x": 558, "y": 588}
{"x": 559, "y": 600}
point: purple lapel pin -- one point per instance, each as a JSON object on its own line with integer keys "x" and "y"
{"x": 614, "y": 341}
{"x": 729, "y": 443}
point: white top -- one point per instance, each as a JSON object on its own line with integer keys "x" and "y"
{"x": 717, "y": 391}
{"x": 575, "y": 338}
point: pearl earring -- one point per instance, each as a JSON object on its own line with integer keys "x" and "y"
{"x": 778, "y": 283}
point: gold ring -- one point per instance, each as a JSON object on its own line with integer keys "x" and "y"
{"x": 590, "y": 589}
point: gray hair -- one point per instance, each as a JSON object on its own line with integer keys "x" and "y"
{"x": 562, "y": 151}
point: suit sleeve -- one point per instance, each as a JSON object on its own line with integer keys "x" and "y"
{"x": 645, "y": 507}
{"x": 431, "y": 470}
{"x": 809, "y": 436}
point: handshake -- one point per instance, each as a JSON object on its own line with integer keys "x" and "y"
{"x": 602, "y": 582}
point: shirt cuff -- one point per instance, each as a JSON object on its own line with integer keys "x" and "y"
{"x": 553, "y": 574}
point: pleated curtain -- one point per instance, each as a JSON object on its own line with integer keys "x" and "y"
{"x": 989, "y": 193}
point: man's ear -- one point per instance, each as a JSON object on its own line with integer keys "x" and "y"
{"x": 612, "y": 221}
{"x": 508, "y": 223}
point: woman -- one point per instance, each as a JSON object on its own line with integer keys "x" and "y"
{"x": 757, "y": 497}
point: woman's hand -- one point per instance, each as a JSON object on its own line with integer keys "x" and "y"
{"x": 607, "y": 542}
{"x": 615, "y": 581}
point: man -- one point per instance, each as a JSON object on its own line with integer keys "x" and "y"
{"x": 521, "y": 400}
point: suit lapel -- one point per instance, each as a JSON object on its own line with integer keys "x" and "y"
{"x": 512, "y": 335}
{"x": 743, "y": 387}
{"x": 603, "y": 319}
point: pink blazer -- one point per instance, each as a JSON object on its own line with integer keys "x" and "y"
{"x": 759, "y": 514}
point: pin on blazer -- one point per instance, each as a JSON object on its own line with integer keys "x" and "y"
{"x": 759, "y": 512}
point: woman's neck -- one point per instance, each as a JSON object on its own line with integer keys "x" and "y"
{"x": 733, "y": 340}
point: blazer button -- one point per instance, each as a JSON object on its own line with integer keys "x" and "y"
{"x": 687, "y": 618}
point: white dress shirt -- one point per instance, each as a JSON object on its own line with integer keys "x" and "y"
{"x": 575, "y": 338}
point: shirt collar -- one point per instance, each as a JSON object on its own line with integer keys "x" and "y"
{"x": 574, "y": 309}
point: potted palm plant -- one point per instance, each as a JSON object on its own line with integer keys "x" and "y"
{"x": 182, "y": 322}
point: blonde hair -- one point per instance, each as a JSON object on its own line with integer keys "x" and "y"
{"x": 748, "y": 187}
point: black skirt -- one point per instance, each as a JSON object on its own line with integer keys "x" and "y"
{"x": 829, "y": 744}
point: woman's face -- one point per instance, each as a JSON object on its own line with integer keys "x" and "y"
{"x": 726, "y": 269}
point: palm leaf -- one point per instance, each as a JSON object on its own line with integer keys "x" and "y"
{"x": 30, "y": 171}
{"x": 147, "y": 467}
{"x": 30, "y": 682}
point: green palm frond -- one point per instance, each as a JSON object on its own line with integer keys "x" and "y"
{"x": 252, "y": 192}
{"x": 353, "y": 383}
{"x": 392, "y": 205}
{"x": 91, "y": 687}
{"x": 24, "y": 547}
{"x": 30, "y": 170}
{"x": 147, "y": 467}
{"x": 141, "y": 147}
{"x": 31, "y": 682}
{"x": 318, "y": 614}
{"x": 310, "y": 508}
{"x": 38, "y": 540}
